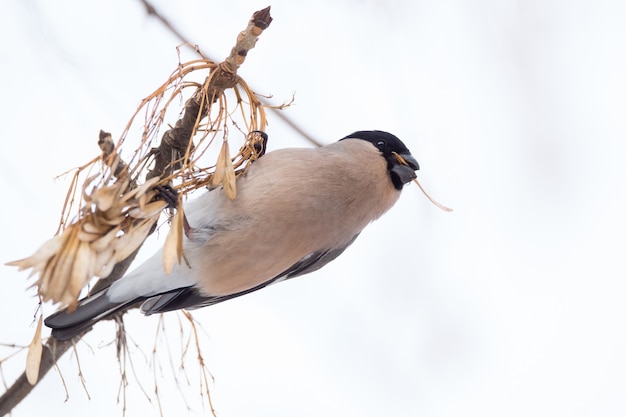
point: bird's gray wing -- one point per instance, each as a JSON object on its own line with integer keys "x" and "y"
{"x": 190, "y": 298}
{"x": 314, "y": 261}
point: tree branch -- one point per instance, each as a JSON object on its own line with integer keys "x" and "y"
{"x": 168, "y": 157}
{"x": 175, "y": 142}
{"x": 152, "y": 11}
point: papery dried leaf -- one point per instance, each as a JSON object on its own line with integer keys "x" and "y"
{"x": 33, "y": 358}
{"x": 173, "y": 247}
{"x": 129, "y": 241}
{"x": 149, "y": 210}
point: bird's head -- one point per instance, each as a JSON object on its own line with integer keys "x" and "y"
{"x": 400, "y": 163}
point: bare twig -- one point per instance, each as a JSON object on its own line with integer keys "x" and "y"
{"x": 205, "y": 380}
{"x": 152, "y": 11}
{"x": 171, "y": 153}
{"x": 21, "y": 388}
{"x": 107, "y": 146}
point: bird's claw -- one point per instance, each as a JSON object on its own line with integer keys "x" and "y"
{"x": 260, "y": 142}
{"x": 168, "y": 194}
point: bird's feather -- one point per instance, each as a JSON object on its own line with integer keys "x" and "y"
{"x": 90, "y": 310}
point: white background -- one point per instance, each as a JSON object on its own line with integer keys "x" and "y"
{"x": 512, "y": 305}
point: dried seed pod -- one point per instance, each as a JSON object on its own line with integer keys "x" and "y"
{"x": 225, "y": 173}
{"x": 105, "y": 197}
{"x": 104, "y": 263}
{"x": 83, "y": 260}
{"x": 173, "y": 247}
{"x": 106, "y": 240}
{"x": 220, "y": 165}
{"x": 229, "y": 181}
{"x": 148, "y": 210}
{"x": 33, "y": 358}
{"x": 41, "y": 256}
{"x": 98, "y": 229}
{"x": 129, "y": 241}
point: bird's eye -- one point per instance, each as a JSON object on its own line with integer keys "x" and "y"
{"x": 380, "y": 144}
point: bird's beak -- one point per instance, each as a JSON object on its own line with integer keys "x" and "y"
{"x": 405, "y": 167}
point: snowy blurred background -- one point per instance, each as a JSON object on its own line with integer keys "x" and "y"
{"x": 513, "y": 305}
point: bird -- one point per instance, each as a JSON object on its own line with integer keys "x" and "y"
{"x": 296, "y": 210}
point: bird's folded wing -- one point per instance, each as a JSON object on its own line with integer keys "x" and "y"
{"x": 190, "y": 298}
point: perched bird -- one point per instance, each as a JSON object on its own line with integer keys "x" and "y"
{"x": 295, "y": 211}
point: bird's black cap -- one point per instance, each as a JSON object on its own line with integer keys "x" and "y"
{"x": 389, "y": 144}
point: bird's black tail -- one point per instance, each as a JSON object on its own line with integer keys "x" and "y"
{"x": 66, "y": 325}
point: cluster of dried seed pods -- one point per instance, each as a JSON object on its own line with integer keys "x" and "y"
{"x": 115, "y": 222}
